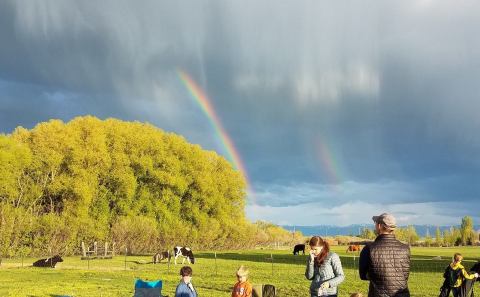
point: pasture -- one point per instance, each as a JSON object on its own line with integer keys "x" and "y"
{"x": 212, "y": 277}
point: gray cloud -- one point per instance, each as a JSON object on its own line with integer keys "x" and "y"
{"x": 387, "y": 192}
{"x": 338, "y": 102}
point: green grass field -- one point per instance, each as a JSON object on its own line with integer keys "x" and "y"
{"x": 75, "y": 277}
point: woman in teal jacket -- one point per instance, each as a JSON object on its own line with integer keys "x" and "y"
{"x": 324, "y": 269}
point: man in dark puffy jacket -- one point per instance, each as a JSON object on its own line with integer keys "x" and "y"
{"x": 386, "y": 261}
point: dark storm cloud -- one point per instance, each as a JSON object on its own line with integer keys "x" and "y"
{"x": 328, "y": 103}
{"x": 113, "y": 58}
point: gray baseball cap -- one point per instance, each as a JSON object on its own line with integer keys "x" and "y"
{"x": 386, "y": 219}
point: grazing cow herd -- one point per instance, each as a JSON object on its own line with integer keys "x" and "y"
{"x": 179, "y": 251}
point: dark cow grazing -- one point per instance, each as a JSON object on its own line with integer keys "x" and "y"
{"x": 299, "y": 248}
{"x": 158, "y": 257}
{"x": 185, "y": 252}
{"x": 354, "y": 248}
{"x": 48, "y": 262}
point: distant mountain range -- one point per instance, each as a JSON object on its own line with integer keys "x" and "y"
{"x": 331, "y": 230}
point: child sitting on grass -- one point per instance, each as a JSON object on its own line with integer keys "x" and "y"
{"x": 356, "y": 295}
{"x": 242, "y": 288}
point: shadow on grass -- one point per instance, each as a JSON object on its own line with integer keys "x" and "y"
{"x": 139, "y": 262}
{"x": 347, "y": 261}
{"x": 146, "y": 263}
{"x": 419, "y": 263}
{"x": 257, "y": 257}
{"x": 218, "y": 288}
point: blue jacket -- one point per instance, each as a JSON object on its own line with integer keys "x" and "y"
{"x": 184, "y": 291}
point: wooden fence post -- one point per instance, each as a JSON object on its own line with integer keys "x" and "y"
{"x": 354, "y": 266}
{"x": 215, "y": 263}
{"x": 84, "y": 251}
{"x": 168, "y": 251}
{"x": 95, "y": 248}
{"x": 271, "y": 257}
{"x": 126, "y": 258}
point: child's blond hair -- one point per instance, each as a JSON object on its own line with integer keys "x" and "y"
{"x": 457, "y": 257}
{"x": 356, "y": 295}
{"x": 242, "y": 271}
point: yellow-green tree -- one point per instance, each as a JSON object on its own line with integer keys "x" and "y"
{"x": 466, "y": 230}
{"x": 367, "y": 233}
{"x": 438, "y": 237}
{"x": 103, "y": 178}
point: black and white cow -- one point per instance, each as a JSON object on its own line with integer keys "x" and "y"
{"x": 48, "y": 262}
{"x": 184, "y": 252}
{"x": 158, "y": 257}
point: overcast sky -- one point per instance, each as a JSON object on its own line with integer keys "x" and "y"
{"x": 340, "y": 110}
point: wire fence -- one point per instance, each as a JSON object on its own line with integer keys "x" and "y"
{"x": 268, "y": 267}
{"x": 271, "y": 262}
{"x": 434, "y": 265}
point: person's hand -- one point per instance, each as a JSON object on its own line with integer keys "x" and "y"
{"x": 325, "y": 285}
{"x": 476, "y": 274}
{"x": 312, "y": 256}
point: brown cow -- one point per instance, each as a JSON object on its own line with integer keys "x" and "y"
{"x": 354, "y": 248}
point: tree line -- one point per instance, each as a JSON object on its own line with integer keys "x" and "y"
{"x": 465, "y": 234}
{"x": 110, "y": 180}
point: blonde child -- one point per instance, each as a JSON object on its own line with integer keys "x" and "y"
{"x": 461, "y": 274}
{"x": 242, "y": 288}
{"x": 356, "y": 295}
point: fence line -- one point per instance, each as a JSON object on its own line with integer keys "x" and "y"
{"x": 417, "y": 265}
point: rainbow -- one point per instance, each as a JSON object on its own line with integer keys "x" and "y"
{"x": 203, "y": 101}
{"x": 330, "y": 166}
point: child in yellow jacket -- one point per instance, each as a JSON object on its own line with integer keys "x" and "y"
{"x": 463, "y": 275}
